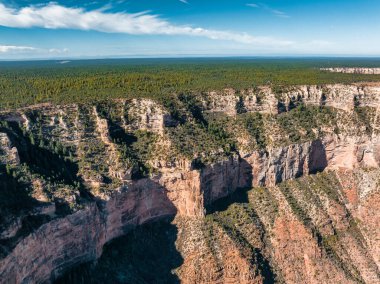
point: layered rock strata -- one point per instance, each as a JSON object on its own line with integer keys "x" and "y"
{"x": 176, "y": 188}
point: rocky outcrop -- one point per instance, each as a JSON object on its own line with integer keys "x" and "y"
{"x": 268, "y": 100}
{"x": 8, "y": 153}
{"x": 352, "y": 152}
{"x": 354, "y": 70}
{"x": 332, "y": 152}
{"x": 279, "y": 164}
{"x": 230, "y": 102}
{"x": 148, "y": 115}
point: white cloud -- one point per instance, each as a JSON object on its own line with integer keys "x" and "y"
{"x": 184, "y": 1}
{"x": 55, "y": 16}
{"x": 58, "y": 51}
{"x": 14, "y": 48}
{"x": 8, "y": 50}
{"x": 279, "y": 13}
{"x": 276, "y": 12}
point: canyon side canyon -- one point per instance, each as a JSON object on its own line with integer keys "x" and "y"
{"x": 261, "y": 185}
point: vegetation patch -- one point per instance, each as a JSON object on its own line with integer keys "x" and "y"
{"x": 30, "y": 83}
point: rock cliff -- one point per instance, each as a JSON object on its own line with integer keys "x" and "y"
{"x": 355, "y": 70}
{"x": 91, "y": 174}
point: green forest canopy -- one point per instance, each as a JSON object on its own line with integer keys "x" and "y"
{"x": 81, "y": 81}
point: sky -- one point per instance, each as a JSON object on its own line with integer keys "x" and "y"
{"x": 31, "y": 29}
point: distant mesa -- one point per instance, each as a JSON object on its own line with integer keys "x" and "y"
{"x": 353, "y": 70}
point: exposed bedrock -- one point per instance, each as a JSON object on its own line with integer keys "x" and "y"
{"x": 353, "y": 70}
{"x": 176, "y": 187}
{"x": 77, "y": 238}
{"x": 332, "y": 152}
{"x": 268, "y": 100}
{"x": 65, "y": 242}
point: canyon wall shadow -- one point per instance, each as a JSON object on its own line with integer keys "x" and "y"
{"x": 145, "y": 255}
{"x": 317, "y": 158}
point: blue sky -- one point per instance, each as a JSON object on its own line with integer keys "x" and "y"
{"x": 130, "y": 28}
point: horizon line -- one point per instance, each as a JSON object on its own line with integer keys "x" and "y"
{"x": 78, "y": 58}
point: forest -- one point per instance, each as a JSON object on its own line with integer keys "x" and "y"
{"x": 81, "y": 81}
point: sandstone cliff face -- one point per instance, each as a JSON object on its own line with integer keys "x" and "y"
{"x": 179, "y": 187}
{"x": 82, "y": 235}
{"x": 58, "y": 244}
{"x": 65, "y": 242}
{"x": 266, "y": 100}
{"x": 352, "y": 152}
{"x": 299, "y": 232}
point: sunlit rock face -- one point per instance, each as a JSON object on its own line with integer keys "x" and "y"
{"x": 111, "y": 171}
{"x": 355, "y": 70}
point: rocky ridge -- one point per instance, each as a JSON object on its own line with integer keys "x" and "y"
{"x": 355, "y": 70}
{"x": 123, "y": 168}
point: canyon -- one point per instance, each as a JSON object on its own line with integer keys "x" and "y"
{"x": 305, "y": 159}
